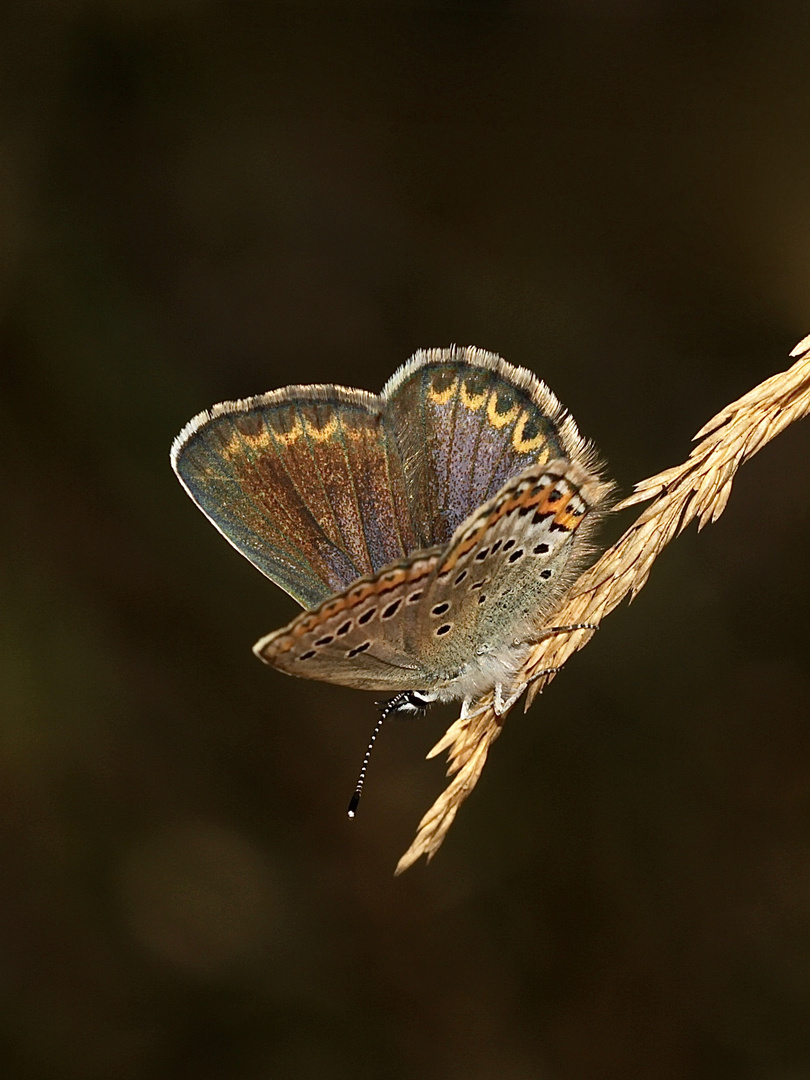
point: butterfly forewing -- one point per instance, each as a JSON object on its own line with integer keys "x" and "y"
{"x": 356, "y": 638}
{"x": 306, "y": 482}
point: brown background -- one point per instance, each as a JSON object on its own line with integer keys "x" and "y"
{"x": 202, "y": 201}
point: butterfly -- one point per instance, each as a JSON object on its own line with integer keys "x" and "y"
{"x": 429, "y": 531}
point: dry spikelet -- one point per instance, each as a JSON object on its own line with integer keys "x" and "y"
{"x": 698, "y": 488}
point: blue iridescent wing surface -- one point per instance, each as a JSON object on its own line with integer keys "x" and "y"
{"x": 465, "y": 422}
{"x": 305, "y": 482}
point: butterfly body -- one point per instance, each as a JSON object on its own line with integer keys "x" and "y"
{"x": 429, "y": 531}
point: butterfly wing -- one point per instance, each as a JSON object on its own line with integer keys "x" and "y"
{"x": 320, "y": 485}
{"x": 307, "y": 482}
{"x": 465, "y": 422}
{"x": 357, "y": 637}
{"x": 508, "y": 566}
{"x": 445, "y": 620}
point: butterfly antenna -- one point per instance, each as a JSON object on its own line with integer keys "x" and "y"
{"x": 387, "y": 707}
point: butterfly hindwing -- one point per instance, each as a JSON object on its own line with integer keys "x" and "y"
{"x": 510, "y": 563}
{"x": 467, "y": 421}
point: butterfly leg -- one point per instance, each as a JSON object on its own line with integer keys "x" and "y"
{"x": 553, "y": 630}
{"x": 504, "y": 703}
{"x": 505, "y": 700}
{"x": 466, "y": 712}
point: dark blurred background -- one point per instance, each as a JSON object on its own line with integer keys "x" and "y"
{"x": 207, "y": 200}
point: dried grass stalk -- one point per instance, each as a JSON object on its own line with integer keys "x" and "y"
{"x": 698, "y": 488}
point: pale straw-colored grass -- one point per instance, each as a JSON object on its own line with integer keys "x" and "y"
{"x": 698, "y": 488}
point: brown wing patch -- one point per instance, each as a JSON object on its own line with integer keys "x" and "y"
{"x": 355, "y": 607}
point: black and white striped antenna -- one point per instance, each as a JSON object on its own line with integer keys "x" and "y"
{"x": 409, "y": 701}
